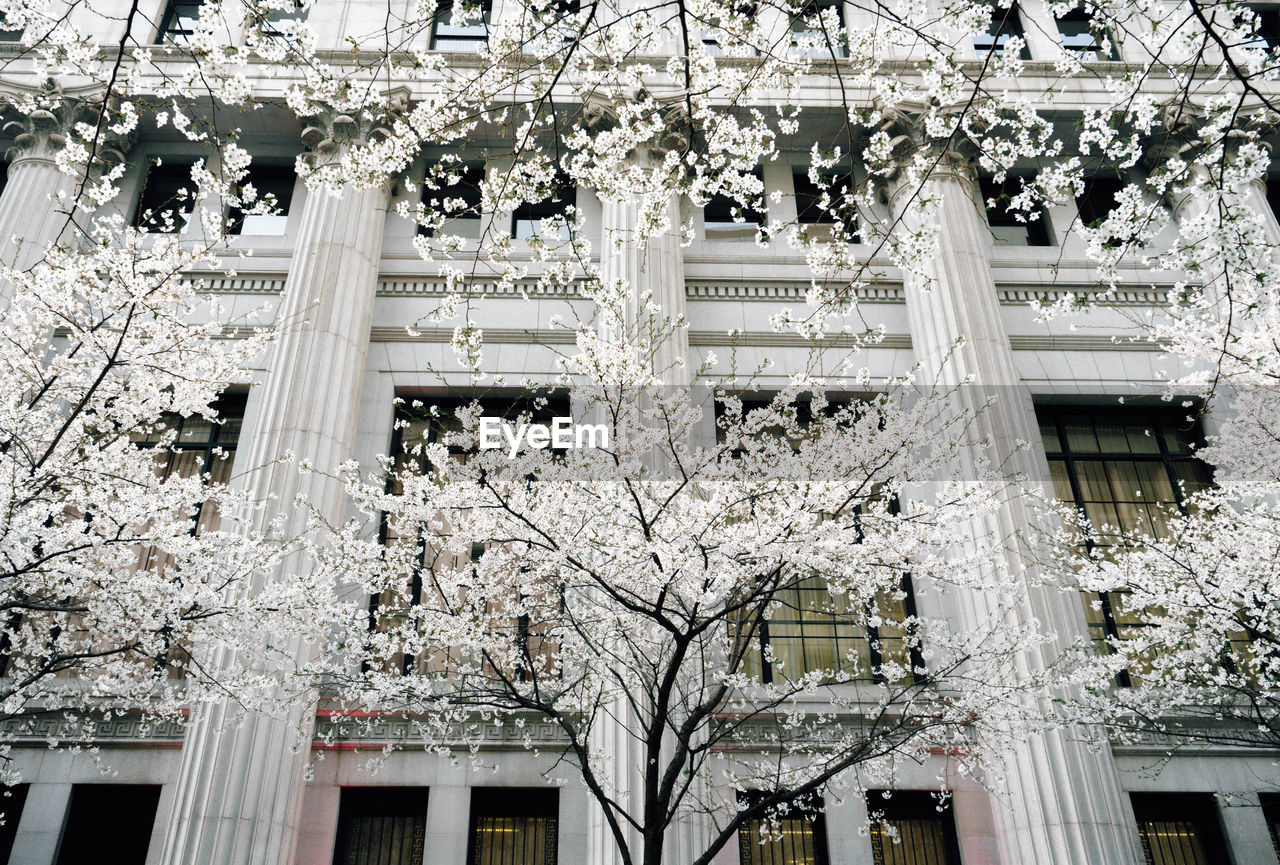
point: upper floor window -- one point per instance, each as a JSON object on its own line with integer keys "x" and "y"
{"x": 167, "y": 197}
{"x": 1005, "y": 23}
{"x": 714, "y": 39}
{"x": 179, "y": 20}
{"x": 725, "y": 218}
{"x": 1179, "y": 828}
{"x": 453, "y": 192}
{"x": 1271, "y": 813}
{"x": 810, "y": 629}
{"x": 1122, "y": 469}
{"x": 272, "y": 184}
{"x": 827, "y": 204}
{"x": 431, "y": 421}
{"x": 461, "y": 26}
{"x": 1083, "y": 35}
{"x": 12, "y": 801}
{"x": 1266, "y": 32}
{"x": 797, "y": 837}
{"x": 513, "y": 826}
{"x": 109, "y": 817}
{"x": 381, "y": 826}
{"x": 1011, "y": 227}
{"x": 549, "y": 219}
{"x": 817, "y": 30}
{"x": 912, "y": 828}
{"x": 8, "y": 33}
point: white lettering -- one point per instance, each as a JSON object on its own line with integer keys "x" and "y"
{"x": 560, "y": 436}
{"x": 539, "y": 436}
{"x": 489, "y": 433}
{"x": 590, "y": 431}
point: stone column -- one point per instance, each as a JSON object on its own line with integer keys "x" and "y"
{"x": 38, "y": 201}
{"x": 1062, "y": 803}
{"x": 240, "y": 785}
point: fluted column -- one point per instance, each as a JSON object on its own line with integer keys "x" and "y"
{"x": 38, "y": 200}
{"x": 1062, "y": 803}
{"x": 240, "y": 785}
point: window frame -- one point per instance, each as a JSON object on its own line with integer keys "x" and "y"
{"x": 1079, "y": 15}
{"x": 460, "y": 37}
{"x": 170, "y": 167}
{"x": 811, "y": 814}
{"x": 387, "y": 803}
{"x": 526, "y": 219}
{"x": 168, "y": 32}
{"x": 541, "y": 804}
{"x": 1153, "y": 420}
{"x": 1004, "y": 24}
{"x": 1199, "y": 810}
{"x": 797, "y": 27}
{"x": 913, "y": 805}
{"x": 121, "y": 799}
{"x": 1038, "y": 232}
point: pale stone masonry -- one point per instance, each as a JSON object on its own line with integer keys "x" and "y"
{"x": 345, "y": 267}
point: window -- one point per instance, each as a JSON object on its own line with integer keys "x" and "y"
{"x": 419, "y": 424}
{"x": 714, "y": 39}
{"x": 272, "y": 183}
{"x": 1098, "y": 199}
{"x": 1179, "y": 828}
{"x": 724, "y": 218}
{"x": 454, "y": 191}
{"x": 461, "y": 27}
{"x": 179, "y": 21}
{"x": 1083, "y": 36}
{"x": 1273, "y": 196}
{"x": 1120, "y": 468}
{"x": 201, "y": 446}
{"x": 513, "y": 826}
{"x": 1266, "y": 28}
{"x": 381, "y": 826}
{"x": 167, "y": 197}
{"x": 1007, "y": 228}
{"x": 109, "y": 824}
{"x": 826, "y": 204}
{"x": 1005, "y": 23}
{"x": 811, "y": 629}
{"x": 818, "y": 30}
{"x": 797, "y": 837}
{"x": 273, "y": 19}
{"x": 7, "y": 33}
{"x": 549, "y": 219}
{"x": 11, "y": 802}
{"x": 913, "y": 829}
{"x": 1271, "y": 813}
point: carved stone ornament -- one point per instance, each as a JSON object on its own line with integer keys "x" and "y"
{"x": 331, "y": 132}
{"x": 906, "y": 126}
{"x": 41, "y": 133}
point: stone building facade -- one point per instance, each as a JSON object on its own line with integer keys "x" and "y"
{"x": 347, "y": 267}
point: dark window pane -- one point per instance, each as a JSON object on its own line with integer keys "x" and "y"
{"x": 1179, "y": 828}
{"x": 1012, "y": 227}
{"x": 811, "y": 34}
{"x": 810, "y": 207}
{"x": 167, "y": 197}
{"x": 514, "y": 826}
{"x": 179, "y": 20}
{"x": 381, "y": 826}
{"x": 528, "y": 219}
{"x": 725, "y": 218}
{"x": 454, "y": 190}
{"x": 461, "y": 26}
{"x": 109, "y": 824}
{"x": 1098, "y": 199}
{"x": 270, "y": 181}
{"x": 1004, "y": 24}
{"x": 1080, "y": 34}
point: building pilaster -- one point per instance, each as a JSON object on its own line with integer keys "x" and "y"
{"x": 39, "y": 200}
{"x": 240, "y": 784}
{"x": 1061, "y": 802}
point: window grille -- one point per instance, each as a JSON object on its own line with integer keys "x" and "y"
{"x": 513, "y": 826}
{"x": 381, "y": 826}
{"x": 1121, "y": 468}
{"x": 797, "y": 837}
{"x": 466, "y": 30}
{"x": 1179, "y": 829}
{"x": 179, "y": 21}
{"x": 912, "y": 829}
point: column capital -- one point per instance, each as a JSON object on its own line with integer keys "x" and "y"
{"x": 913, "y": 146}
{"x": 600, "y": 115}
{"x": 40, "y": 132}
{"x": 331, "y": 131}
